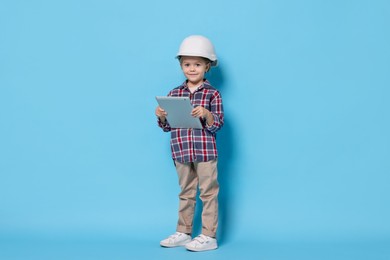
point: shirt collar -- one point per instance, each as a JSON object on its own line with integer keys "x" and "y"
{"x": 205, "y": 84}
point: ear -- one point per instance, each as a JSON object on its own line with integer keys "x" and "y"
{"x": 208, "y": 66}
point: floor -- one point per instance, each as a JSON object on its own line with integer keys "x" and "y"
{"x": 118, "y": 249}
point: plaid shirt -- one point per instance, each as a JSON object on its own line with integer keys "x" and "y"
{"x": 196, "y": 145}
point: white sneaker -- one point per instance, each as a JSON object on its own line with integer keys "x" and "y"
{"x": 202, "y": 243}
{"x": 177, "y": 239}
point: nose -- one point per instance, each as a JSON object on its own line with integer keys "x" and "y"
{"x": 192, "y": 68}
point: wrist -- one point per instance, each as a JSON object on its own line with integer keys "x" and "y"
{"x": 209, "y": 118}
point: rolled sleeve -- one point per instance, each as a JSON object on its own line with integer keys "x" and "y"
{"x": 218, "y": 123}
{"x": 164, "y": 126}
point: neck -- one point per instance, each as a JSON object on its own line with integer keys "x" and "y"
{"x": 194, "y": 84}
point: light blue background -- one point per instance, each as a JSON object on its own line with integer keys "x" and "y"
{"x": 85, "y": 173}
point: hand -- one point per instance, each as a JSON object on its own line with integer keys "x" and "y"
{"x": 161, "y": 113}
{"x": 200, "y": 111}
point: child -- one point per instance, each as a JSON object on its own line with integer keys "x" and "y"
{"x": 194, "y": 151}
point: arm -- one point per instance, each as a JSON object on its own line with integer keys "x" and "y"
{"x": 214, "y": 118}
{"x": 162, "y": 120}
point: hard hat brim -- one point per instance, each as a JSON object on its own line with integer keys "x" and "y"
{"x": 213, "y": 63}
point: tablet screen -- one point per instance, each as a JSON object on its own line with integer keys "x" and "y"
{"x": 179, "y": 112}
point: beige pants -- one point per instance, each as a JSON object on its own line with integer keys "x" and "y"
{"x": 190, "y": 176}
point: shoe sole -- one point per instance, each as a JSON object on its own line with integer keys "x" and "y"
{"x": 175, "y": 245}
{"x": 201, "y": 249}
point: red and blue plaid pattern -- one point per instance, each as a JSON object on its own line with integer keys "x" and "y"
{"x": 197, "y": 145}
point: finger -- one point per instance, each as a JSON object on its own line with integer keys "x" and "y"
{"x": 196, "y": 113}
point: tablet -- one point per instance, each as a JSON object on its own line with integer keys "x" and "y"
{"x": 179, "y": 112}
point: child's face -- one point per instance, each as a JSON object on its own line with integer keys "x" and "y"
{"x": 194, "y": 69}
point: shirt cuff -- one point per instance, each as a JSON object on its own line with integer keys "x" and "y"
{"x": 214, "y": 127}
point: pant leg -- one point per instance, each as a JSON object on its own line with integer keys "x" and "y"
{"x": 209, "y": 187}
{"x": 188, "y": 182}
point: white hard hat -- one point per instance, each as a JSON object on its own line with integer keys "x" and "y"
{"x": 199, "y": 46}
